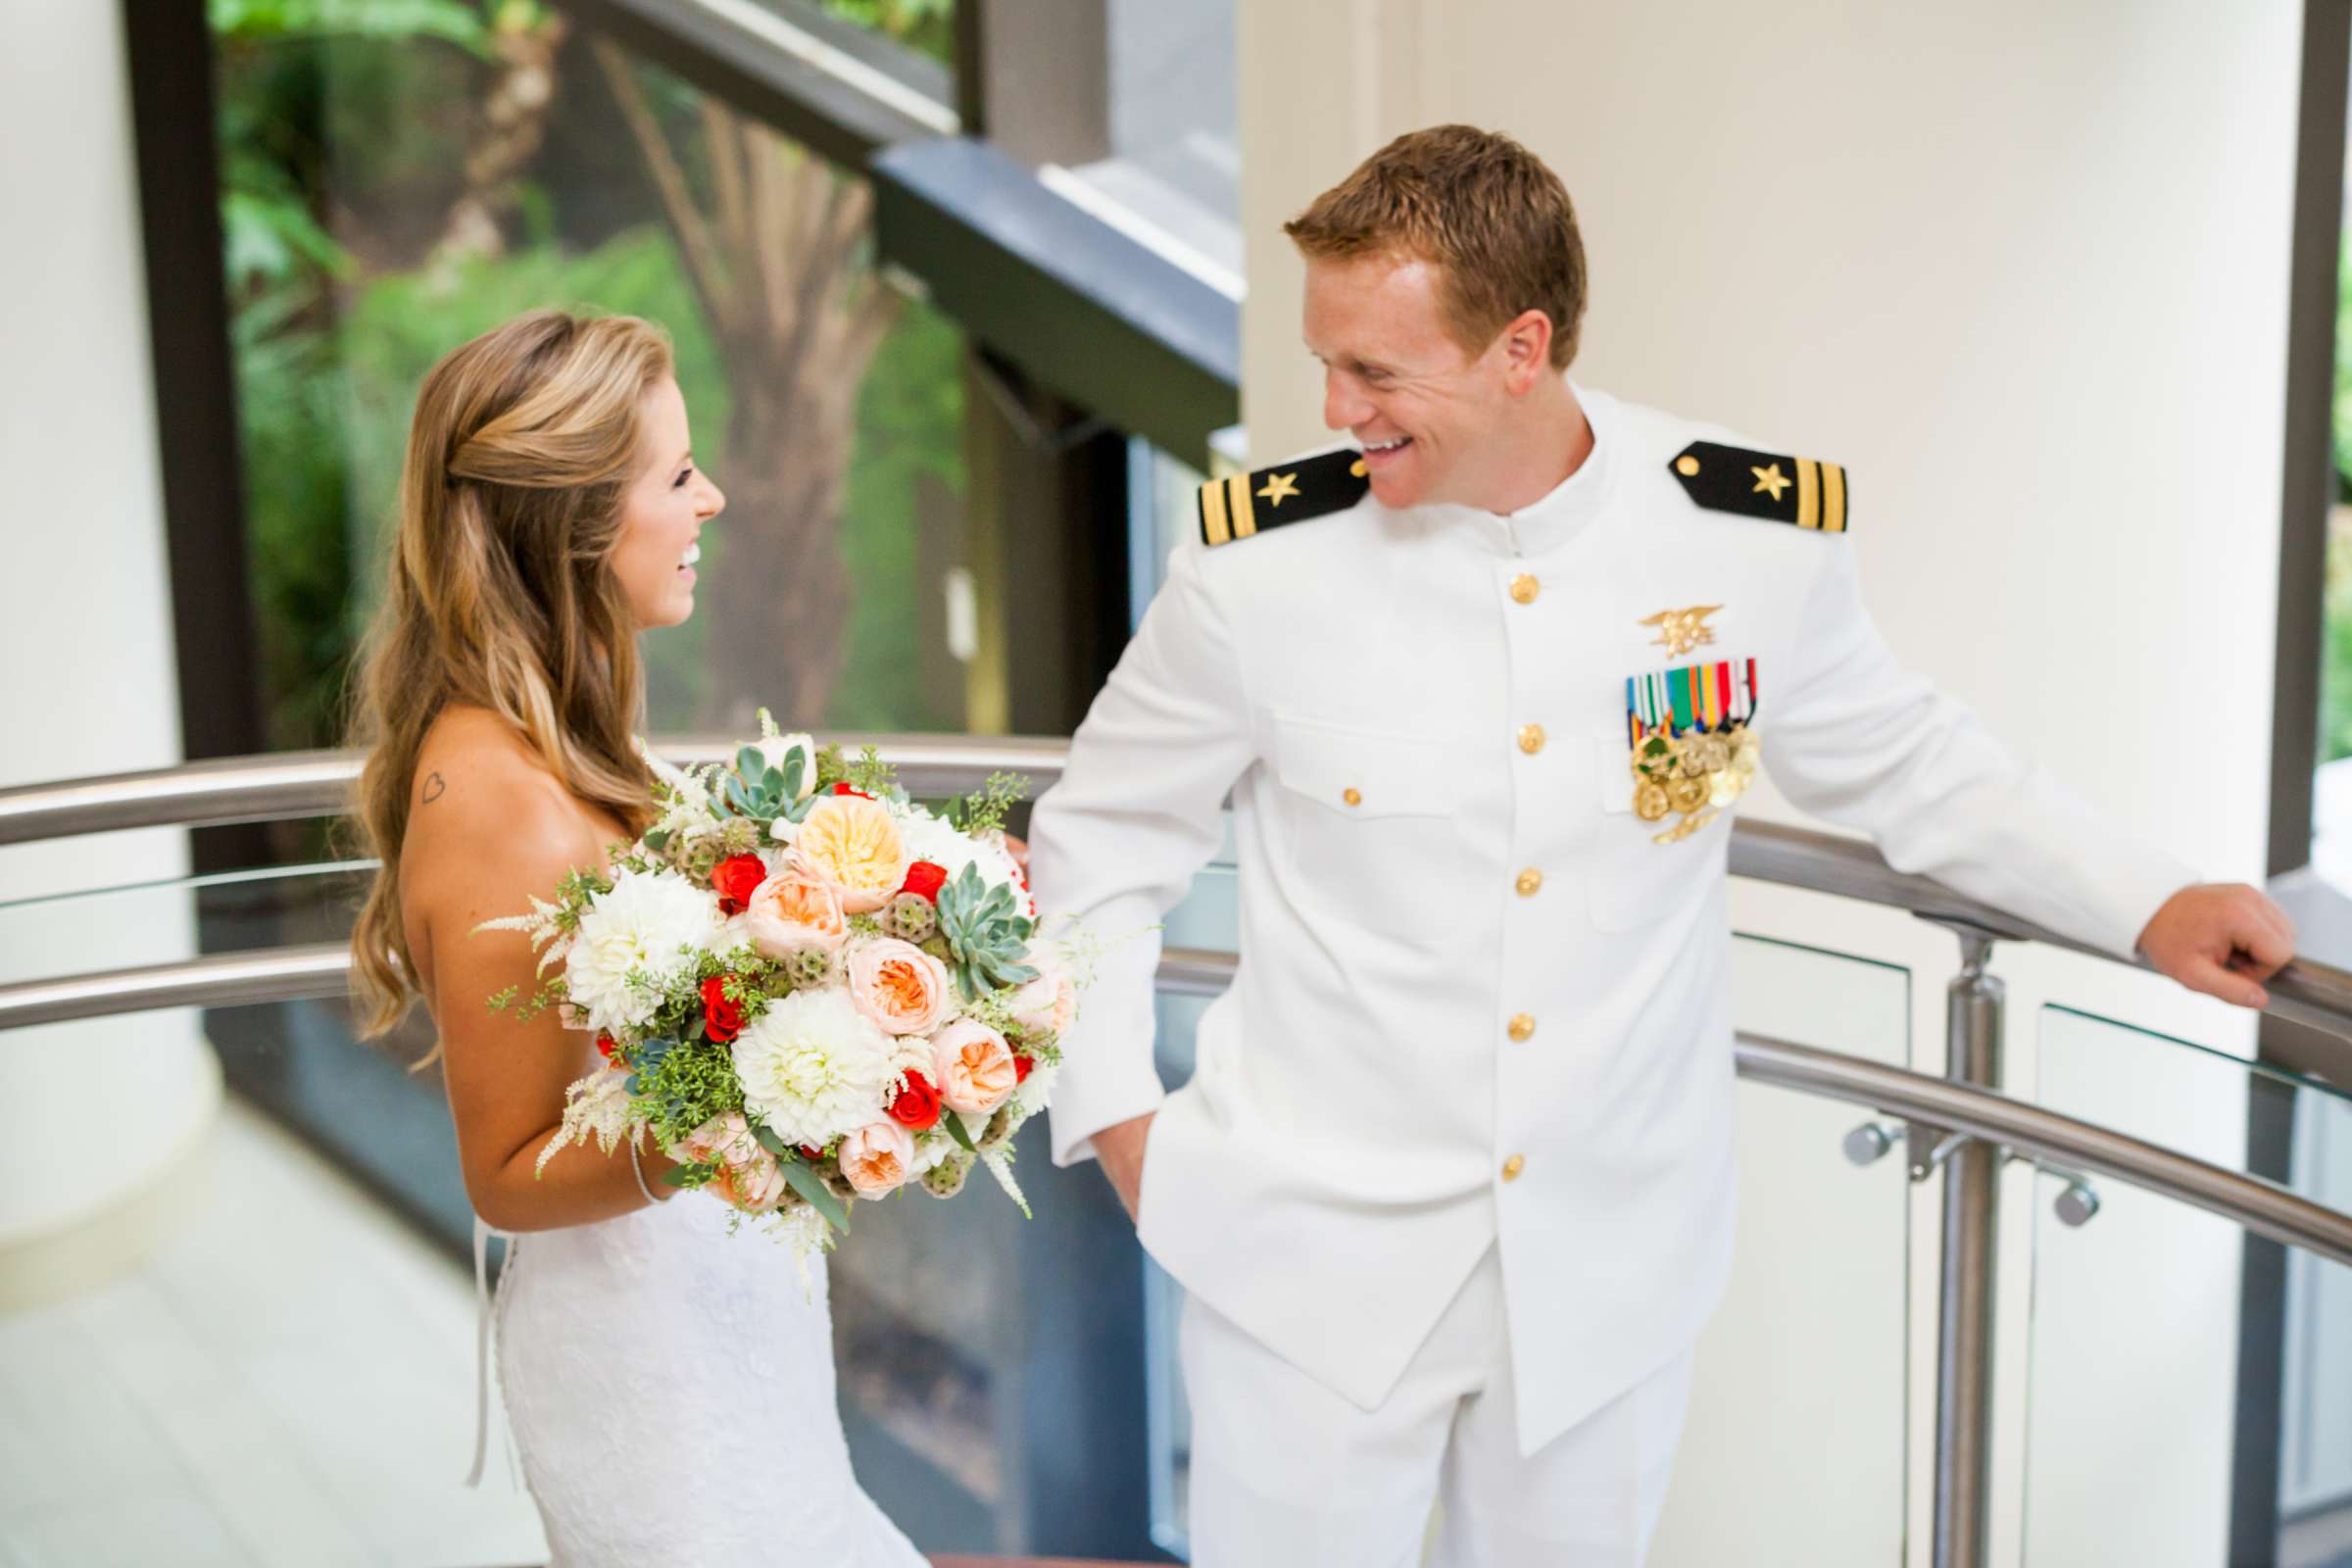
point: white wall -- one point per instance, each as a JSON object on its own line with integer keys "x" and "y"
{"x": 110, "y": 1113}
{"x": 2022, "y": 269}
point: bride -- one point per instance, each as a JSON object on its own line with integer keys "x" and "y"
{"x": 670, "y": 1387}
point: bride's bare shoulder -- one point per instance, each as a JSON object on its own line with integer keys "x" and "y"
{"x": 481, "y": 804}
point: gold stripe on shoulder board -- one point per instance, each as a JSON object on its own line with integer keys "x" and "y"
{"x": 1214, "y": 529}
{"x": 1832, "y": 498}
{"x": 1245, "y": 510}
{"x": 1808, "y": 492}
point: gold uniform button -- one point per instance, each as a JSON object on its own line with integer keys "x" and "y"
{"x": 1524, "y": 588}
{"x": 1529, "y": 883}
{"x": 1531, "y": 738}
{"x": 1513, "y": 1167}
{"x": 1523, "y": 1028}
{"x": 1353, "y": 796}
{"x": 1687, "y": 465}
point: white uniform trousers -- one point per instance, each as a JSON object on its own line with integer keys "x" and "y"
{"x": 1287, "y": 1474}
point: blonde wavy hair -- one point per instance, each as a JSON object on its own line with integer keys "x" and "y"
{"x": 500, "y": 590}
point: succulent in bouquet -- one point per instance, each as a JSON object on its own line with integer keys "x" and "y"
{"x": 807, "y": 988}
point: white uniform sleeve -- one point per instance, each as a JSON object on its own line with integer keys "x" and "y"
{"x": 1860, "y": 742}
{"x": 1118, "y": 841}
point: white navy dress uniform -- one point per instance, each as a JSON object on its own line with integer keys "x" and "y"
{"x": 1451, "y": 1189}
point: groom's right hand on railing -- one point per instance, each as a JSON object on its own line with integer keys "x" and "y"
{"x": 1120, "y": 1149}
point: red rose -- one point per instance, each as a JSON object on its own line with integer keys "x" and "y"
{"x": 918, "y": 1104}
{"x": 812, "y": 1156}
{"x": 1022, "y": 1066}
{"x": 606, "y": 1045}
{"x": 733, "y": 878}
{"x": 925, "y": 878}
{"x": 722, "y": 1020}
{"x": 845, "y": 789}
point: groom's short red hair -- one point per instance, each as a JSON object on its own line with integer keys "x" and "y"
{"x": 1476, "y": 203}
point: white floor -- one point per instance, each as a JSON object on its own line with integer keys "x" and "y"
{"x": 290, "y": 1381}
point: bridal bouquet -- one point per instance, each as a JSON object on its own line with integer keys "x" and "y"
{"x": 807, "y": 988}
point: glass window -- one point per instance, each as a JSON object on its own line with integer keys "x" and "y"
{"x": 398, "y": 184}
{"x": 926, "y": 27}
{"x": 1172, "y": 178}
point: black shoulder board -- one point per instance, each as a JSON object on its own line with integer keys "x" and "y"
{"x": 1247, "y": 504}
{"x": 1804, "y": 491}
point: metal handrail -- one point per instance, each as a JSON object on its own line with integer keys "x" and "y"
{"x": 321, "y": 971}
{"x": 302, "y": 784}
{"x": 287, "y": 785}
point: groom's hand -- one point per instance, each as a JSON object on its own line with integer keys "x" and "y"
{"x": 1120, "y": 1148}
{"x": 2222, "y": 939}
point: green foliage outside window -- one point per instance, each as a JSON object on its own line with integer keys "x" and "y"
{"x": 2335, "y": 672}
{"x": 371, "y": 225}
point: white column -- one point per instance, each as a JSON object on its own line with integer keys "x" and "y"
{"x": 108, "y": 1118}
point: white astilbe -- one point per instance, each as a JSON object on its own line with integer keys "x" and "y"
{"x": 689, "y": 809}
{"x": 633, "y": 942}
{"x": 999, "y": 1161}
{"x": 596, "y": 1108}
{"x": 543, "y": 925}
{"x": 682, "y": 783}
{"x": 803, "y": 1230}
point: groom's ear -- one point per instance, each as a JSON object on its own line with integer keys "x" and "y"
{"x": 1525, "y": 344}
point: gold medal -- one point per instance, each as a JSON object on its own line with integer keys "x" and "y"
{"x": 1712, "y": 752}
{"x": 1683, "y": 829}
{"x": 1686, "y": 794}
{"x": 1650, "y": 804}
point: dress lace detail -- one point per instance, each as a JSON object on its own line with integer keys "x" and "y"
{"x": 670, "y": 1390}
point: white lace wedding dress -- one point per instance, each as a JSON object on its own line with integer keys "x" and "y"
{"x": 670, "y": 1391}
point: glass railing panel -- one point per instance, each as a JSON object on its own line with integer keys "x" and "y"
{"x": 1797, "y": 1432}
{"x": 289, "y": 1366}
{"x": 172, "y": 919}
{"x": 218, "y": 1346}
{"x": 2171, "y": 1356}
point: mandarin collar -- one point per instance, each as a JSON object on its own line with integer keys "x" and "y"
{"x": 1562, "y": 515}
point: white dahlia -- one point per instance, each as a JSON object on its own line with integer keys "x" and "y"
{"x": 814, "y": 1067}
{"x": 633, "y": 942}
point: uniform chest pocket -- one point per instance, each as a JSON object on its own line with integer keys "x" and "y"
{"x": 1368, "y": 825}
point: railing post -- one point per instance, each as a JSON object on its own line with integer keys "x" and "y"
{"x": 1972, "y": 1011}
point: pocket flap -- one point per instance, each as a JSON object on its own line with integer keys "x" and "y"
{"x": 1360, "y": 773}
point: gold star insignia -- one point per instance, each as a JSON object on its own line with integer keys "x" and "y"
{"x": 1771, "y": 479}
{"x": 1681, "y": 630}
{"x": 1279, "y": 487}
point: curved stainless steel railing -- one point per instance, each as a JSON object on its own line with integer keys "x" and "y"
{"x": 302, "y": 784}
{"x": 1980, "y": 1125}
{"x": 319, "y": 972}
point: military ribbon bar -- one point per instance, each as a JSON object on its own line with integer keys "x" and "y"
{"x": 1695, "y": 697}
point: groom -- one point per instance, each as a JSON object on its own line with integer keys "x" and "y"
{"x": 1451, "y": 1189}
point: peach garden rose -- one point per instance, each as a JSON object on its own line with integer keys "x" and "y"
{"x": 793, "y": 912}
{"x": 749, "y": 1176}
{"x": 877, "y": 1158}
{"x": 899, "y": 986}
{"x": 973, "y": 1067}
{"x": 1046, "y": 1004}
